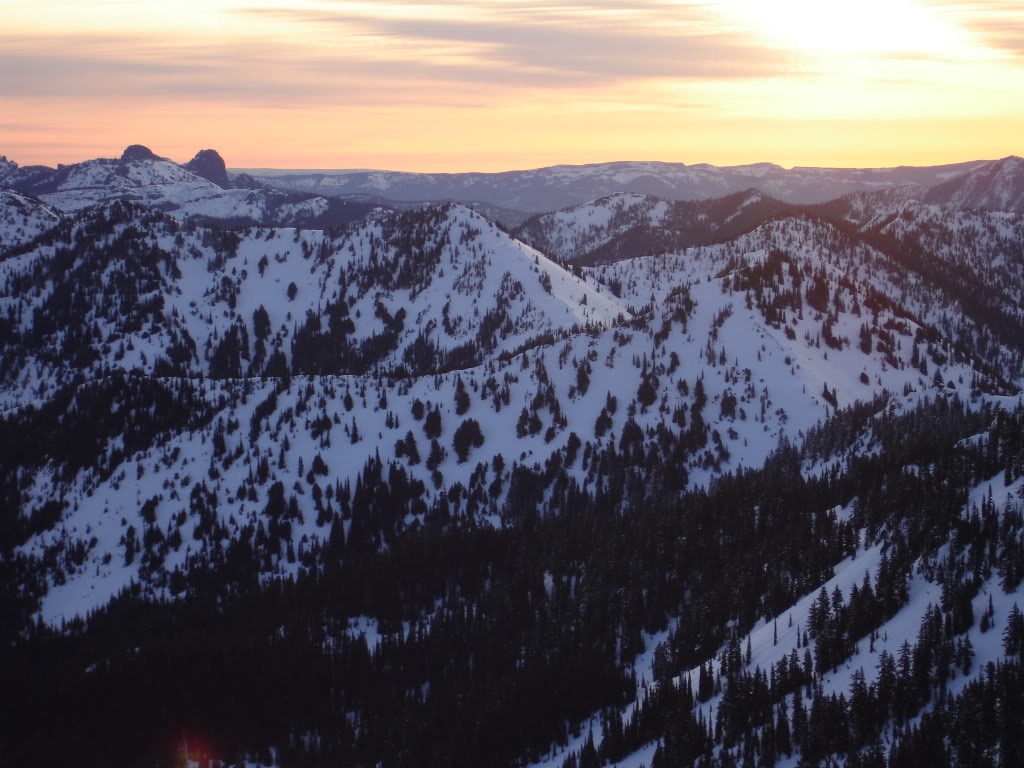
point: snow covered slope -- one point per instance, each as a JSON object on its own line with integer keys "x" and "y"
{"x": 886, "y": 645}
{"x": 417, "y": 291}
{"x": 996, "y": 186}
{"x": 925, "y": 258}
{"x": 23, "y": 219}
{"x": 707, "y": 358}
{"x": 185, "y": 191}
{"x": 627, "y": 225}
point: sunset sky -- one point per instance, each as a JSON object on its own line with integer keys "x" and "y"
{"x": 456, "y": 86}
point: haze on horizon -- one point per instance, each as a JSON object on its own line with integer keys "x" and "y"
{"x": 456, "y": 86}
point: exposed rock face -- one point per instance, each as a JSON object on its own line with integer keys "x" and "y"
{"x": 137, "y": 152}
{"x": 246, "y": 181}
{"x": 210, "y": 165}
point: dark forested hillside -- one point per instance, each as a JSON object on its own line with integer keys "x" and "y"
{"x": 492, "y": 645}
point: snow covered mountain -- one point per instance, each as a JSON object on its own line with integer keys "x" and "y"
{"x": 462, "y": 499}
{"x": 23, "y": 219}
{"x": 626, "y": 225}
{"x": 444, "y": 297}
{"x": 923, "y": 257}
{"x": 996, "y": 186}
{"x": 198, "y": 189}
{"x": 548, "y": 189}
{"x": 403, "y": 293}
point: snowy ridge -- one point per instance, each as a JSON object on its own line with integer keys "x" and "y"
{"x": 996, "y": 186}
{"x": 923, "y": 258}
{"x": 23, "y": 219}
{"x": 574, "y": 232}
{"x": 560, "y": 186}
{"x": 765, "y": 377}
{"x": 140, "y": 176}
{"x": 629, "y": 225}
{"x": 466, "y": 285}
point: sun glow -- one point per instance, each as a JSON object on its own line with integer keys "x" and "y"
{"x": 461, "y": 85}
{"x": 865, "y": 27}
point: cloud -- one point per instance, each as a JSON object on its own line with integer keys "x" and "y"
{"x": 382, "y": 77}
{"x": 151, "y": 68}
{"x": 391, "y": 53}
{"x": 998, "y": 23}
{"x": 573, "y": 44}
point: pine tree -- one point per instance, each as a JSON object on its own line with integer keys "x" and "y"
{"x": 1013, "y": 635}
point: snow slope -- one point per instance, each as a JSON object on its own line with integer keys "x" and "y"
{"x": 679, "y": 319}
{"x": 774, "y": 640}
{"x": 23, "y": 219}
{"x": 996, "y": 186}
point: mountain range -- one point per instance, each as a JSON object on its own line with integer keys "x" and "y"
{"x": 710, "y": 476}
{"x": 199, "y": 189}
{"x": 548, "y": 189}
{"x": 204, "y": 187}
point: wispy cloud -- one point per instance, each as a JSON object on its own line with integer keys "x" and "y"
{"x": 554, "y": 47}
{"x": 151, "y": 68}
{"x": 443, "y": 77}
{"x": 383, "y": 52}
{"x": 997, "y": 23}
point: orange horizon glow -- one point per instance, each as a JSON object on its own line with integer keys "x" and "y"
{"x": 453, "y": 86}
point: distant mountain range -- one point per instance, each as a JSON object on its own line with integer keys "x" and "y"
{"x": 199, "y": 189}
{"x": 548, "y": 189}
{"x": 203, "y": 187}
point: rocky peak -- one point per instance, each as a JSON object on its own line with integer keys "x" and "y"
{"x": 6, "y": 166}
{"x": 210, "y": 165}
{"x": 136, "y": 153}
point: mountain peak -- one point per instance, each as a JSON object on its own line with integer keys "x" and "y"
{"x": 137, "y": 152}
{"x": 210, "y": 165}
{"x": 997, "y": 186}
{"x": 1012, "y": 161}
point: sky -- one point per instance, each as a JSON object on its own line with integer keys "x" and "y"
{"x": 452, "y": 86}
